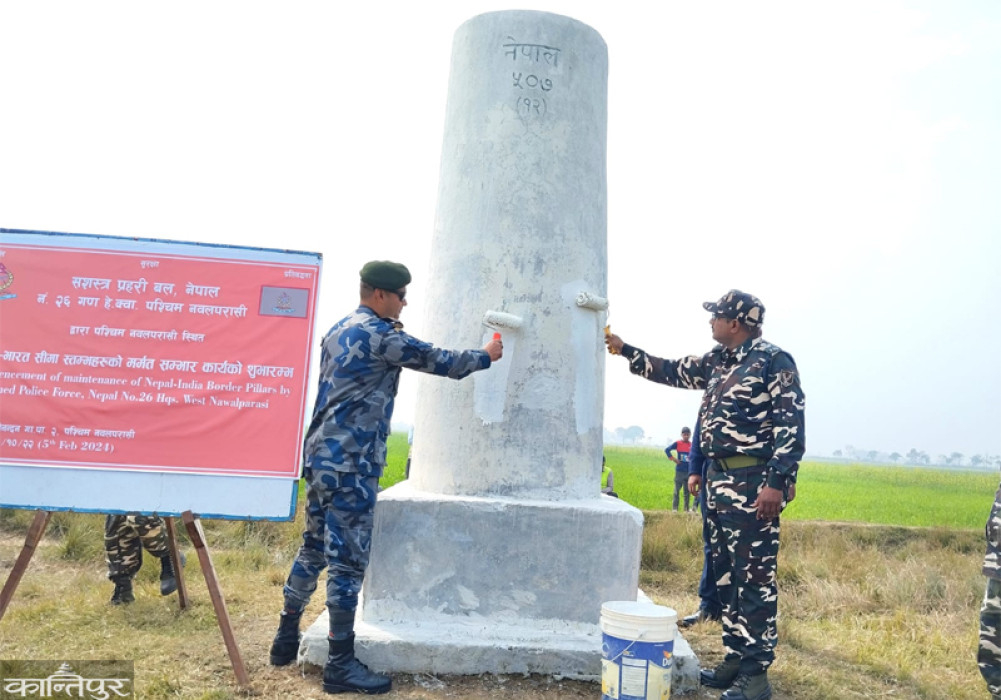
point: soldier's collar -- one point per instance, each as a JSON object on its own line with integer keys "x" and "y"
{"x": 396, "y": 323}
{"x": 742, "y": 350}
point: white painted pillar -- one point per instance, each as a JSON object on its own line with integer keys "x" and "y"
{"x": 520, "y": 232}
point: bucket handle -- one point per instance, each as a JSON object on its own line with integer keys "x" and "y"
{"x": 640, "y": 634}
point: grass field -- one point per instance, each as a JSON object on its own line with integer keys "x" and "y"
{"x": 887, "y": 495}
{"x": 867, "y": 610}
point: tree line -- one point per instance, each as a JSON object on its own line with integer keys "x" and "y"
{"x": 920, "y": 457}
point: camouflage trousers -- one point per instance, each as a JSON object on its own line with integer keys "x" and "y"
{"x": 340, "y": 511}
{"x": 125, "y": 536}
{"x": 744, "y": 557}
{"x": 989, "y": 652}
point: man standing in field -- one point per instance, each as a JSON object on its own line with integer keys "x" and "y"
{"x": 678, "y": 452}
{"x": 989, "y": 652}
{"x": 344, "y": 455}
{"x": 751, "y": 429}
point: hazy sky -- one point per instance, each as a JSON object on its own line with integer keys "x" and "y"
{"x": 842, "y": 161}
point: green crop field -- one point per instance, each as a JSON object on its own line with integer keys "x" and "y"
{"x": 887, "y": 495}
{"x": 892, "y": 495}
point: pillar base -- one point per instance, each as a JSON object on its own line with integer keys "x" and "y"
{"x": 449, "y": 646}
{"x": 467, "y": 585}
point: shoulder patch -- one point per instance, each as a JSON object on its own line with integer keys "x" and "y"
{"x": 787, "y": 377}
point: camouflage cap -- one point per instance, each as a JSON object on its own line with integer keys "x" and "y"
{"x": 739, "y": 306}
{"x": 383, "y": 274}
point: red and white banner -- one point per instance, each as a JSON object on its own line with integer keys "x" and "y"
{"x": 153, "y": 356}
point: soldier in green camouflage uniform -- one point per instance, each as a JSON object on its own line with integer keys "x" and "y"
{"x": 751, "y": 429}
{"x": 344, "y": 454}
{"x": 125, "y": 537}
{"x": 989, "y": 652}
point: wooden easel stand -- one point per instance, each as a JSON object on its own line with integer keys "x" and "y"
{"x": 197, "y": 537}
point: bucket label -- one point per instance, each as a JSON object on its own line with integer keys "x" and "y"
{"x": 634, "y": 670}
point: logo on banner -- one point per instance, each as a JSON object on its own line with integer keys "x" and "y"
{"x": 6, "y": 279}
{"x": 284, "y": 301}
{"x": 283, "y": 304}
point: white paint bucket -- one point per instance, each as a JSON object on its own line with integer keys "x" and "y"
{"x": 637, "y": 649}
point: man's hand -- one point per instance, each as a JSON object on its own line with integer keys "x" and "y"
{"x": 694, "y": 484}
{"x": 768, "y": 503}
{"x": 495, "y": 348}
{"x": 613, "y": 343}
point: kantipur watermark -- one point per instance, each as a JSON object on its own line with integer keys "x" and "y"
{"x": 92, "y": 680}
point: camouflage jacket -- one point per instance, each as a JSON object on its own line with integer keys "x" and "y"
{"x": 753, "y": 403}
{"x": 360, "y": 364}
{"x": 992, "y": 562}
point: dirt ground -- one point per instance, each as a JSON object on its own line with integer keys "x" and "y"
{"x": 293, "y": 682}
{"x": 297, "y": 682}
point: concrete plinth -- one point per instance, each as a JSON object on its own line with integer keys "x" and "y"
{"x": 501, "y": 558}
{"x": 490, "y": 585}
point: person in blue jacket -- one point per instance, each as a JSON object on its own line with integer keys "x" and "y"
{"x": 710, "y": 607}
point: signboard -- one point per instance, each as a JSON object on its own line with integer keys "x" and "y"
{"x": 159, "y": 367}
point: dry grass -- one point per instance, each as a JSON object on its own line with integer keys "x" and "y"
{"x": 866, "y": 612}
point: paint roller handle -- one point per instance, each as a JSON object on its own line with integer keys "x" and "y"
{"x": 495, "y": 348}
{"x": 613, "y": 342}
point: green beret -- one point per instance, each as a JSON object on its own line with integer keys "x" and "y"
{"x": 383, "y": 274}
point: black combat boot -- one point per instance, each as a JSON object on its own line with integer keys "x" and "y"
{"x": 123, "y": 591}
{"x": 168, "y": 579}
{"x": 746, "y": 687}
{"x": 723, "y": 675}
{"x": 346, "y": 674}
{"x": 703, "y": 615}
{"x": 285, "y": 647}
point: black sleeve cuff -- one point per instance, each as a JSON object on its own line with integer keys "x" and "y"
{"x": 629, "y": 352}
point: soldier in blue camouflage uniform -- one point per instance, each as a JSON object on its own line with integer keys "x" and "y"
{"x": 751, "y": 429}
{"x": 125, "y": 536}
{"x": 989, "y": 652}
{"x": 344, "y": 455}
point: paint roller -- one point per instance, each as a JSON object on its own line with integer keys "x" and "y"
{"x": 586, "y": 300}
{"x": 501, "y": 321}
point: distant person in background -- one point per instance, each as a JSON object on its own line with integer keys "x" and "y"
{"x": 710, "y": 607}
{"x": 607, "y": 479}
{"x": 125, "y": 537}
{"x": 344, "y": 455}
{"x": 678, "y": 452}
{"x": 989, "y": 652}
